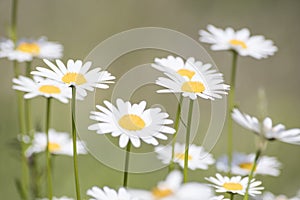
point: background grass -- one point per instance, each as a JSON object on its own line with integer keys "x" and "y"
{"x": 81, "y": 25}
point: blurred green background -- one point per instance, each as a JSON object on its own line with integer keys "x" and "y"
{"x": 81, "y": 25}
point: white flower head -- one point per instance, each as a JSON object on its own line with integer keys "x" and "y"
{"x": 76, "y": 74}
{"x": 266, "y": 129}
{"x": 243, "y": 163}
{"x": 27, "y": 49}
{"x": 131, "y": 122}
{"x": 42, "y": 87}
{"x": 59, "y": 143}
{"x": 192, "y": 79}
{"x": 198, "y": 158}
{"x": 172, "y": 188}
{"x": 240, "y": 41}
{"x": 221, "y": 197}
{"x": 235, "y": 184}
{"x": 107, "y": 193}
{"x": 270, "y": 196}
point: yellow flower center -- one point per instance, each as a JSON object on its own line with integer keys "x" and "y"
{"x": 53, "y": 146}
{"x": 232, "y": 186}
{"x": 132, "y": 122}
{"x": 161, "y": 193}
{"x": 32, "y": 48}
{"x": 193, "y": 86}
{"x": 238, "y": 43}
{"x": 73, "y": 77}
{"x": 246, "y": 165}
{"x": 181, "y": 156}
{"x": 49, "y": 89}
{"x": 186, "y": 72}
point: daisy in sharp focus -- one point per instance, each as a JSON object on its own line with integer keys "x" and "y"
{"x": 76, "y": 74}
{"x": 265, "y": 128}
{"x": 236, "y": 185}
{"x": 172, "y": 188}
{"x": 27, "y": 49}
{"x": 42, "y": 87}
{"x": 198, "y": 158}
{"x": 270, "y": 196}
{"x": 131, "y": 122}
{"x": 243, "y": 163}
{"x": 205, "y": 82}
{"x": 59, "y": 143}
{"x": 240, "y": 41}
{"x": 107, "y": 193}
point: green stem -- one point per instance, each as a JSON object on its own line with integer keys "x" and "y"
{"x": 125, "y": 177}
{"x": 48, "y": 155}
{"x": 231, "y": 196}
{"x": 13, "y": 28}
{"x": 75, "y": 163}
{"x": 251, "y": 175}
{"x": 34, "y": 172}
{"x": 176, "y": 125}
{"x": 231, "y": 96}
{"x": 28, "y": 123}
{"x": 187, "y": 141}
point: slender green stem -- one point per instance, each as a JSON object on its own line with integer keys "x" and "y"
{"x": 176, "y": 125}
{"x": 187, "y": 141}
{"x": 231, "y": 196}
{"x": 34, "y": 173}
{"x": 74, "y": 136}
{"x": 28, "y": 116}
{"x": 125, "y": 177}
{"x": 230, "y": 108}
{"x": 13, "y": 27}
{"x": 48, "y": 155}
{"x": 251, "y": 175}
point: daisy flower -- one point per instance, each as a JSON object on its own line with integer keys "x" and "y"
{"x": 76, "y": 74}
{"x": 243, "y": 163}
{"x": 240, "y": 41}
{"x": 218, "y": 198}
{"x": 107, "y": 193}
{"x": 172, "y": 188}
{"x": 131, "y": 122}
{"x": 198, "y": 158}
{"x": 235, "y": 184}
{"x": 270, "y": 196}
{"x": 266, "y": 129}
{"x": 204, "y": 82}
{"x": 59, "y": 143}
{"x": 42, "y": 87}
{"x": 27, "y": 49}
{"x": 59, "y": 198}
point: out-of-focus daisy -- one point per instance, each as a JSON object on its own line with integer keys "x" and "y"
{"x": 59, "y": 143}
{"x": 243, "y": 163}
{"x": 131, "y": 122}
{"x": 221, "y": 197}
{"x": 235, "y": 184}
{"x": 265, "y": 128}
{"x": 107, "y": 193}
{"x": 172, "y": 188}
{"x": 27, "y": 49}
{"x": 42, "y": 87}
{"x": 58, "y": 198}
{"x": 270, "y": 196}
{"x": 205, "y": 82}
{"x": 198, "y": 158}
{"x": 240, "y": 41}
{"x": 76, "y": 74}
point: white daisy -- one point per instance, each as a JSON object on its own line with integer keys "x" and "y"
{"x": 131, "y": 122}
{"x": 266, "y": 129}
{"x": 240, "y": 41}
{"x": 172, "y": 188}
{"x": 27, "y": 49}
{"x": 243, "y": 163}
{"x": 107, "y": 193}
{"x": 270, "y": 196}
{"x": 197, "y": 79}
{"x": 76, "y": 74}
{"x": 198, "y": 158}
{"x": 235, "y": 184}
{"x": 221, "y": 197}
{"x": 42, "y": 87}
{"x": 59, "y": 143}
{"x": 59, "y": 198}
